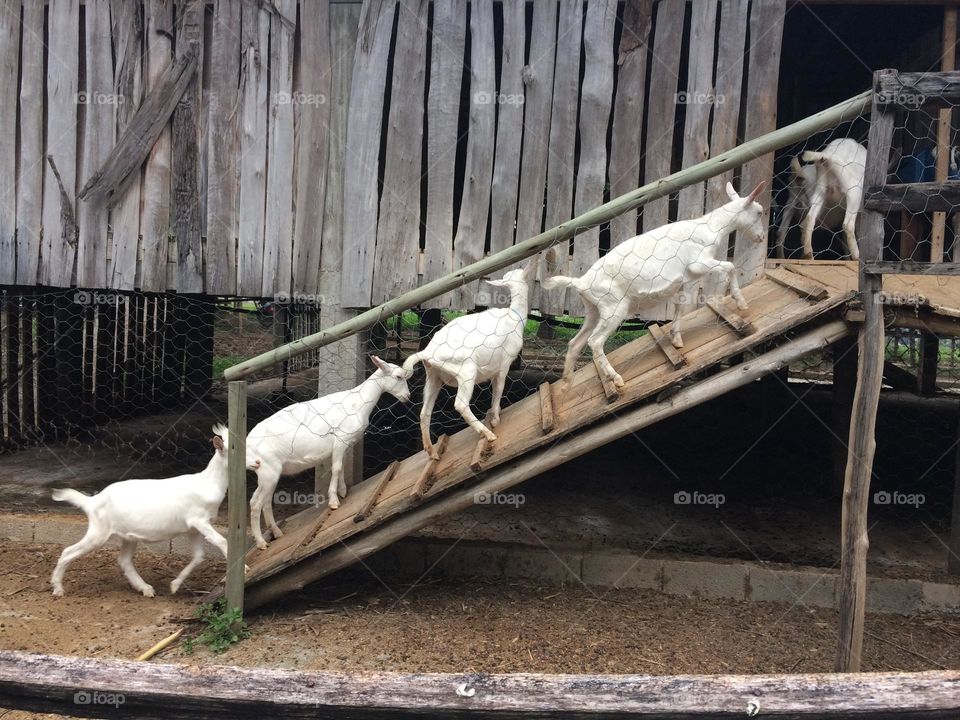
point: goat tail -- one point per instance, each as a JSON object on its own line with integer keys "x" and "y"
{"x": 73, "y": 497}
{"x": 559, "y": 281}
{"x": 812, "y": 156}
{"x": 410, "y": 363}
{"x": 795, "y": 165}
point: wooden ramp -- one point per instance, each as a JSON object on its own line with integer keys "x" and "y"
{"x": 412, "y": 492}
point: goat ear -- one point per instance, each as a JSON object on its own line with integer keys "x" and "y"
{"x": 756, "y": 192}
{"x": 731, "y": 193}
{"x": 217, "y": 443}
{"x": 380, "y": 364}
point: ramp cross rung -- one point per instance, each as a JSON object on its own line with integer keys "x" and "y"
{"x": 663, "y": 342}
{"x": 422, "y": 485}
{"x": 798, "y": 283}
{"x": 482, "y": 450}
{"x": 740, "y": 326}
{"x": 609, "y": 389}
{"x": 376, "y": 492}
{"x": 546, "y": 408}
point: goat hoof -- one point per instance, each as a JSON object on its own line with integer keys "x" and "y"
{"x": 618, "y": 380}
{"x": 432, "y": 452}
{"x": 742, "y": 305}
{"x": 148, "y": 591}
{"x": 246, "y": 569}
{"x": 490, "y": 436}
{"x": 677, "y": 341}
{"x": 333, "y": 504}
{"x": 173, "y": 588}
{"x": 494, "y": 421}
{"x": 262, "y": 544}
{"x": 58, "y": 592}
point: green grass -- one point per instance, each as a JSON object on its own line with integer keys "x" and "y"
{"x": 222, "y": 628}
{"x": 224, "y": 361}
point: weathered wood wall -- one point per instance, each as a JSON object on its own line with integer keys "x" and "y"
{"x": 460, "y": 128}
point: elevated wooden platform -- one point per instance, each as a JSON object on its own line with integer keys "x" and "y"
{"x": 405, "y": 496}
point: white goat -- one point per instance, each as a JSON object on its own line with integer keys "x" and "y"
{"x": 834, "y": 182}
{"x": 473, "y": 349}
{"x": 151, "y": 511}
{"x": 650, "y": 268}
{"x": 301, "y": 436}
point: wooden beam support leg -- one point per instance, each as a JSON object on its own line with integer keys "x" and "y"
{"x": 953, "y": 557}
{"x": 236, "y": 493}
{"x": 929, "y": 358}
{"x": 844, "y": 385}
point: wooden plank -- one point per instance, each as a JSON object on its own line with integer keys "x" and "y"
{"x": 398, "y": 228}
{"x": 917, "y": 90}
{"x": 480, "y": 452}
{"x": 801, "y": 285}
{"x": 98, "y": 129}
{"x": 155, "y": 213}
{"x": 237, "y": 493}
{"x": 948, "y": 61}
{"x": 698, "y": 100}
{"x": 364, "y": 118}
{"x": 662, "y": 104}
{"x": 125, "y": 213}
{"x": 628, "y": 107}
{"x": 470, "y": 240}
{"x": 663, "y": 342}
{"x": 30, "y": 175}
{"x": 546, "y": 408}
{"x": 59, "y": 239}
{"x": 766, "y": 31}
{"x": 563, "y": 135}
{"x": 50, "y": 684}
{"x": 375, "y": 491}
{"x": 185, "y": 211}
{"x": 595, "y": 106}
{"x": 506, "y": 165}
{"x": 611, "y": 391}
{"x": 254, "y": 59}
{"x": 310, "y": 533}
{"x": 741, "y": 326}
{"x": 914, "y": 198}
{"x": 426, "y": 477}
{"x": 313, "y": 136}
{"x": 222, "y": 146}
{"x": 729, "y": 83}
{"x": 448, "y": 37}
{"x": 910, "y": 267}
{"x": 537, "y": 100}
{"x": 278, "y": 222}
{"x": 9, "y": 62}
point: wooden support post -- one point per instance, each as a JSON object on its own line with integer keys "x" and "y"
{"x": 862, "y": 443}
{"x": 236, "y": 493}
{"x": 546, "y": 408}
{"x": 425, "y": 480}
{"x": 370, "y": 502}
{"x": 953, "y": 556}
{"x": 947, "y": 63}
{"x": 844, "y": 384}
{"x": 929, "y": 359}
{"x": 663, "y": 342}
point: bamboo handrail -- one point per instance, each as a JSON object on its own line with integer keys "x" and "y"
{"x": 841, "y": 112}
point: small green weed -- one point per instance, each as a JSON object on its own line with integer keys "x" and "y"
{"x": 222, "y": 627}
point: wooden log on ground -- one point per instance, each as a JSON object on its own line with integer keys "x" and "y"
{"x": 376, "y": 491}
{"x": 546, "y": 408}
{"x": 663, "y": 342}
{"x": 425, "y": 479}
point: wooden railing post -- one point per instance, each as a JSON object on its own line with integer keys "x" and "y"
{"x": 236, "y": 492}
{"x": 862, "y": 443}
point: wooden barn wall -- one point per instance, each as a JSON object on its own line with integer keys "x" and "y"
{"x": 347, "y": 152}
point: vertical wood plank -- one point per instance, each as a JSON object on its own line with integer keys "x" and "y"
{"x": 185, "y": 209}
{"x": 398, "y": 229}
{"x": 953, "y": 557}
{"x": 31, "y": 163}
{"x": 698, "y": 103}
{"x": 127, "y": 25}
{"x": 155, "y": 212}
{"x": 254, "y": 58}
{"x": 278, "y": 231}
{"x": 443, "y": 114}
{"x": 948, "y": 62}
{"x": 628, "y": 112}
{"x": 98, "y": 137}
{"x": 662, "y": 105}
{"x": 506, "y": 165}
{"x": 766, "y": 32}
{"x": 312, "y": 119}
{"x": 563, "y": 139}
{"x": 236, "y": 493}
{"x": 223, "y": 114}
{"x": 595, "y": 106}
{"x": 468, "y": 246}
{"x": 59, "y": 236}
{"x": 363, "y": 149}
{"x": 9, "y": 61}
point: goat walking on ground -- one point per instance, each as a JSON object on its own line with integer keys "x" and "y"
{"x": 473, "y": 349}
{"x": 651, "y": 268}
{"x": 303, "y": 435}
{"x": 152, "y": 511}
{"x": 828, "y": 192}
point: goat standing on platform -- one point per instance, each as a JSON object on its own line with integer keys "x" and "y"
{"x": 651, "y": 268}
{"x": 303, "y": 435}
{"x": 152, "y": 511}
{"x": 472, "y": 349}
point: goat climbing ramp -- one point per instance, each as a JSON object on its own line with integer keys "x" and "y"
{"x": 415, "y": 491}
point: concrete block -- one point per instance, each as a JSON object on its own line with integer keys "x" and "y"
{"x": 622, "y": 570}
{"x": 704, "y": 579}
{"x": 940, "y": 597}
{"x": 14, "y": 527}
{"x": 887, "y": 595}
{"x": 466, "y": 559}
{"x": 544, "y": 564}
{"x": 810, "y": 588}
